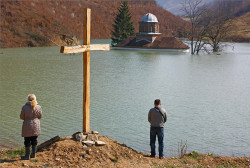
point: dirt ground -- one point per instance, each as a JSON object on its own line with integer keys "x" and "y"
{"x": 70, "y": 153}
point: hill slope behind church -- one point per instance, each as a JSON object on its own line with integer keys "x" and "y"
{"x": 38, "y": 23}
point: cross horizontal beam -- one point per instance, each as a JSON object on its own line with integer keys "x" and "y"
{"x": 84, "y": 48}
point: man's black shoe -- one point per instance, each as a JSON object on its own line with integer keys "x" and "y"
{"x": 152, "y": 156}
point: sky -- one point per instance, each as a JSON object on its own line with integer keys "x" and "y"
{"x": 174, "y": 6}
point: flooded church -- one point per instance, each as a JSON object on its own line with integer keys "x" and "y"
{"x": 149, "y": 37}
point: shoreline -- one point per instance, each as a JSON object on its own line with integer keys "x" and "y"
{"x": 68, "y": 152}
{"x": 100, "y": 39}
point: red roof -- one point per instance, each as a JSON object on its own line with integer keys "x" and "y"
{"x": 160, "y": 42}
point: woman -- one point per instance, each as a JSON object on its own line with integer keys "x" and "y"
{"x": 31, "y": 113}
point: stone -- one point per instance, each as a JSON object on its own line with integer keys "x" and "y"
{"x": 92, "y": 137}
{"x": 100, "y": 143}
{"x": 57, "y": 159}
{"x": 25, "y": 165}
{"x": 79, "y": 136}
{"x": 88, "y": 143}
{"x": 74, "y": 135}
{"x": 82, "y": 155}
{"x": 88, "y": 151}
{"x": 84, "y": 137}
{"x": 95, "y": 132}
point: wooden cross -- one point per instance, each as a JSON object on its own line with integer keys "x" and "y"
{"x": 85, "y": 48}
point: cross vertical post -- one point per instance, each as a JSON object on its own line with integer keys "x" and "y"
{"x": 85, "y": 48}
{"x": 86, "y": 70}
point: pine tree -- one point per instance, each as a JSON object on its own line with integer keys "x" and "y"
{"x": 123, "y": 26}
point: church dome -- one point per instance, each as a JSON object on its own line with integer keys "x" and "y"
{"x": 149, "y": 17}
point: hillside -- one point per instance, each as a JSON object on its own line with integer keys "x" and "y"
{"x": 45, "y": 23}
{"x": 241, "y": 29}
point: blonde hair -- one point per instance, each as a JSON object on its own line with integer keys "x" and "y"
{"x": 32, "y": 99}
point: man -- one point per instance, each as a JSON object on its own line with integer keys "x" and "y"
{"x": 157, "y": 116}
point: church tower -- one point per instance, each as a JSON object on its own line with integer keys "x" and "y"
{"x": 148, "y": 28}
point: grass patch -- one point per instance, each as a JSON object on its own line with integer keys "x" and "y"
{"x": 211, "y": 155}
{"x": 48, "y": 165}
{"x": 34, "y": 160}
{"x": 227, "y": 165}
{"x": 195, "y": 155}
{"x": 169, "y": 166}
{"x": 183, "y": 161}
{"x": 114, "y": 160}
{"x": 15, "y": 153}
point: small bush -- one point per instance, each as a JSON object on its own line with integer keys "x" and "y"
{"x": 15, "y": 153}
{"x": 195, "y": 155}
{"x": 114, "y": 159}
{"x": 182, "y": 149}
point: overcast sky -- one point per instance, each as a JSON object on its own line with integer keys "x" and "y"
{"x": 174, "y": 6}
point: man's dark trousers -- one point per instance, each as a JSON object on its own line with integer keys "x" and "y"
{"x": 159, "y": 131}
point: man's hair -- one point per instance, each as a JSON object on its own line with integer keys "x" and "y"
{"x": 157, "y": 102}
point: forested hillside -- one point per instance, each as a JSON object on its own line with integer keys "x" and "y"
{"x": 44, "y": 23}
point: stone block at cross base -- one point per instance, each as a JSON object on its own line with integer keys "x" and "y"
{"x": 95, "y": 132}
{"x": 79, "y": 136}
{"x": 100, "y": 143}
{"x": 88, "y": 143}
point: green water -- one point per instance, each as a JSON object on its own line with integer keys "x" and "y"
{"x": 207, "y": 96}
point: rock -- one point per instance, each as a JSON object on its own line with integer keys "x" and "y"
{"x": 25, "y": 165}
{"x": 88, "y": 151}
{"x": 74, "y": 135}
{"x": 84, "y": 137}
{"x": 57, "y": 159}
{"x": 88, "y": 143}
{"x": 95, "y": 132}
{"x": 100, "y": 143}
{"x": 92, "y": 137}
{"x": 78, "y": 136}
{"x": 82, "y": 155}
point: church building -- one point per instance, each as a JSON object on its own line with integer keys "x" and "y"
{"x": 148, "y": 28}
{"x": 149, "y": 37}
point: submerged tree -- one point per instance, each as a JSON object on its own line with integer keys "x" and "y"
{"x": 194, "y": 11}
{"x": 209, "y": 24}
{"x": 219, "y": 22}
{"x": 123, "y": 26}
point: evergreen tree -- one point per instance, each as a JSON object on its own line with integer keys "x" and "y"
{"x": 123, "y": 26}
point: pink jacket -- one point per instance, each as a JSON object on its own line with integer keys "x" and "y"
{"x": 31, "y": 123}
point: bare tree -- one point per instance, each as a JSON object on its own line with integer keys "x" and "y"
{"x": 194, "y": 11}
{"x": 209, "y": 24}
{"x": 219, "y": 22}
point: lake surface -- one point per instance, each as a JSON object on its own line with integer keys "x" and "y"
{"x": 207, "y": 97}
